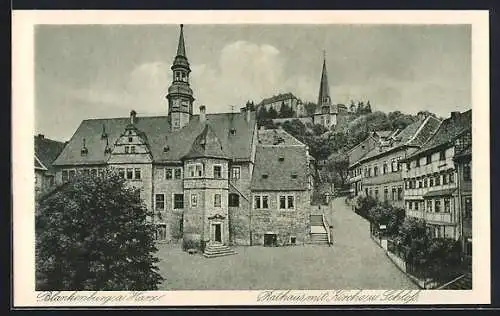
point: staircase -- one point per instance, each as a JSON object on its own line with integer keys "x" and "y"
{"x": 319, "y": 234}
{"x": 464, "y": 282}
{"x": 213, "y": 250}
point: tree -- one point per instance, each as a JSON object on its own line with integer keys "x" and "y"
{"x": 295, "y": 128}
{"x": 352, "y": 107}
{"x": 272, "y": 113}
{"x": 399, "y": 120}
{"x": 93, "y": 233}
{"x": 262, "y": 114}
{"x": 319, "y": 129}
{"x": 337, "y": 166}
{"x": 310, "y": 108}
{"x": 285, "y": 111}
{"x": 368, "y": 108}
{"x": 443, "y": 256}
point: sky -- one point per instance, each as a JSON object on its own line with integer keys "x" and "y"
{"x": 102, "y": 71}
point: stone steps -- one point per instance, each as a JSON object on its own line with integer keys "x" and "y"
{"x": 217, "y": 250}
{"x": 316, "y": 220}
{"x": 319, "y": 238}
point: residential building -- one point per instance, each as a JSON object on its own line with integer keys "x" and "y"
{"x": 354, "y": 155}
{"x": 213, "y": 178}
{"x": 46, "y": 151}
{"x": 433, "y": 191}
{"x": 381, "y": 170}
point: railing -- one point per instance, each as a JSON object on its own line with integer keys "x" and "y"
{"x": 413, "y": 213}
{"x": 438, "y": 217}
{"x": 327, "y": 228}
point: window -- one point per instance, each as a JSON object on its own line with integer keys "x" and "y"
{"x": 159, "y": 201}
{"x": 400, "y": 194}
{"x": 217, "y": 172}
{"x": 235, "y": 172}
{"x": 417, "y": 162}
{"x": 376, "y": 194}
{"x": 398, "y": 164}
{"x": 437, "y": 180}
{"x": 384, "y": 168}
{"x": 282, "y": 201}
{"x": 93, "y": 172}
{"x": 234, "y": 200}
{"x": 447, "y": 205}
{"x": 217, "y": 200}
{"x": 137, "y": 173}
{"x": 72, "y": 174}
{"x": 375, "y": 171}
{"x": 178, "y": 201}
{"x": 410, "y": 205}
{"x": 394, "y": 165}
{"x": 293, "y": 240}
{"x": 65, "y": 176}
{"x": 130, "y": 139}
{"x": 425, "y": 182}
{"x": 451, "y": 178}
{"x": 408, "y": 166}
{"x": 168, "y": 174}
{"x": 428, "y": 159}
{"x": 419, "y": 184}
{"x": 416, "y": 205}
{"x": 394, "y": 194}
{"x": 261, "y": 202}
{"x": 431, "y": 182}
{"x": 178, "y": 173}
{"x": 195, "y": 170}
{"x": 429, "y": 206}
{"x": 445, "y": 179}
{"x": 437, "y": 206}
{"x": 386, "y": 193}
{"x": 121, "y": 173}
{"x": 130, "y": 173}
{"x": 194, "y": 200}
{"x": 127, "y": 149}
{"x": 132, "y": 149}
{"x": 290, "y": 201}
{"x": 407, "y": 185}
{"x": 467, "y": 172}
{"x": 442, "y": 155}
{"x": 86, "y": 172}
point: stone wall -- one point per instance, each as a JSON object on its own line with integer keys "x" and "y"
{"x": 282, "y": 222}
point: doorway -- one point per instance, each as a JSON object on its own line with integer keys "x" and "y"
{"x": 270, "y": 240}
{"x": 217, "y": 232}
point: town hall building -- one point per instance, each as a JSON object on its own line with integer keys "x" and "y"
{"x": 212, "y": 178}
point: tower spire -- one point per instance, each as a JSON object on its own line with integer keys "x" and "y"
{"x": 181, "y": 48}
{"x": 324, "y": 90}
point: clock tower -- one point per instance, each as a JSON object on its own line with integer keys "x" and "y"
{"x": 180, "y": 95}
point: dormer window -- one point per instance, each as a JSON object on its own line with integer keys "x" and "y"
{"x": 165, "y": 149}
{"x": 84, "y": 151}
{"x": 130, "y": 139}
{"x": 281, "y": 159}
{"x": 294, "y": 176}
{"x": 265, "y": 176}
{"x": 132, "y": 149}
{"x": 233, "y": 131}
{"x": 127, "y": 149}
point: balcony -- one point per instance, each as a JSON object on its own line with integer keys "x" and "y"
{"x": 438, "y": 217}
{"x": 413, "y": 213}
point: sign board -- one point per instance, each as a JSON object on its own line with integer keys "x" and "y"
{"x": 383, "y": 226}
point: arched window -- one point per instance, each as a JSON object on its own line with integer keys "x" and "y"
{"x": 234, "y": 200}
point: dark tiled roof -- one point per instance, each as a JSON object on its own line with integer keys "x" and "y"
{"x": 164, "y": 144}
{"x": 279, "y": 97}
{"x": 449, "y": 129}
{"x": 277, "y": 137}
{"x": 47, "y": 150}
{"x": 271, "y": 174}
{"x": 206, "y": 144}
{"x": 414, "y": 134}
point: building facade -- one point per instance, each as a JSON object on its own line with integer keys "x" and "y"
{"x": 434, "y": 191}
{"x": 381, "y": 172}
{"x": 200, "y": 174}
{"x": 287, "y": 99}
{"x": 46, "y": 151}
{"x": 354, "y": 156}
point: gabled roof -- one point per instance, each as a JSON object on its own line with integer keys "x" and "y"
{"x": 449, "y": 129}
{"x": 271, "y": 174}
{"x": 277, "y": 136}
{"x": 276, "y": 98}
{"x": 206, "y": 144}
{"x": 414, "y": 135}
{"x": 46, "y": 151}
{"x": 165, "y": 145}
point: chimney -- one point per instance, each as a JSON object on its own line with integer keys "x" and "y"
{"x": 133, "y": 115}
{"x": 203, "y": 115}
{"x": 455, "y": 115}
{"x": 41, "y": 136}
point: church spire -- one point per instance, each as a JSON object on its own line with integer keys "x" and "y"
{"x": 324, "y": 90}
{"x": 181, "y": 48}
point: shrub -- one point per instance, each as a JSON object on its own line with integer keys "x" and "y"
{"x": 363, "y": 205}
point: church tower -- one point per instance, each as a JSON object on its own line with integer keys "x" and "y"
{"x": 324, "y": 90}
{"x": 180, "y": 95}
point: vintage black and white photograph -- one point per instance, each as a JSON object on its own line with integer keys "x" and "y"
{"x": 253, "y": 157}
